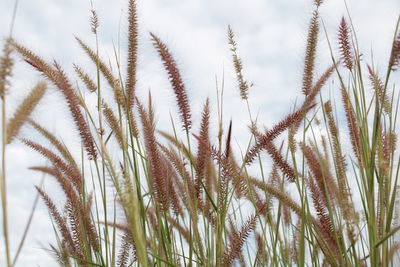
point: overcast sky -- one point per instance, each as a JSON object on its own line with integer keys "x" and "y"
{"x": 271, "y": 39}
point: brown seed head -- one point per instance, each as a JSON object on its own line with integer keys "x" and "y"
{"x": 176, "y": 81}
{"x": 344, "y": 43}
{"x": 311, "y": 48}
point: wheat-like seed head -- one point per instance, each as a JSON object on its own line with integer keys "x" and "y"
{"x": 345, "y": 46}
{"x": 94, "y": 21}
{"x": 394, "y": 61}
{"x": 106, "y": 71}
{"x": 311, "y": 49}
{"x": 57, "y": 143}
{"x": 176, "y": 81}
{"x": 132, "y": 53}
{"x": 90, "y": 84}
{"x": 243, "y": 84}
{"x": 378, "y": 86}
{"x": 6, "y": 64}
{"x": 24, "y": 110}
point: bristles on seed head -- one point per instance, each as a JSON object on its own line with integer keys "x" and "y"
{"x": 176, "y": 81}
{"x": 69, "y": 93}
{"x": 106, "y": 71}
{"x": 85, "y": 78}
{"x": 280, "y": 161}
{"x": 94, "y": 21}
{"x": 55, "y": 74}
{"x": 59, "y": 221}
{"x": 70, "y": 171}
{"x": 236, "y": 246}
{"x": 243, "y": 84}
{"x": 377, "y": 84}
{"x": 57, "y": 143}
{"x": 156, "y": 173}
{"x": 269, "y": 136}
{"x": 130, "y": 83}
{"x": 311, "y": 48}
{"x": 344, "y": 43}
{"x": 6, "y": 64}
{"x": 352, "y": 123}
{"x": 394, "y": 61}
{"x": 202, "y": 148}
{"x": 318, "y": 3}
{"x": 24, "y": 110}
{"x": 34, "y": 60}
{"x": 132, "y": 53}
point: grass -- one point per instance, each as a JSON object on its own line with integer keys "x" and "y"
{"x": 143, "y": 197}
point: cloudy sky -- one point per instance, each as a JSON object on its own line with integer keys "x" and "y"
{"x": 271, "y": 39}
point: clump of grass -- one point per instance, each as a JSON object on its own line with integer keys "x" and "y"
{"x": 178, "y": 199}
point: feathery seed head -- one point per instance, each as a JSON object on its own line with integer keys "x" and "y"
{"x": 244, "y": 85}
{"x": 377, "y": 84}
{"x": 311, "y": 49}
{"x": 24, "y": 110}
{"x": 132, "y": 53}
{"x": 94, "y": 21}
{"x": 90, "y": 84}
{"x": 394, "y": 61}
{"x": 318, "y": 3}
{"x": 6, "y": 64}
{"x": 176, "y": 81}
{"x": 344, "y": 43}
